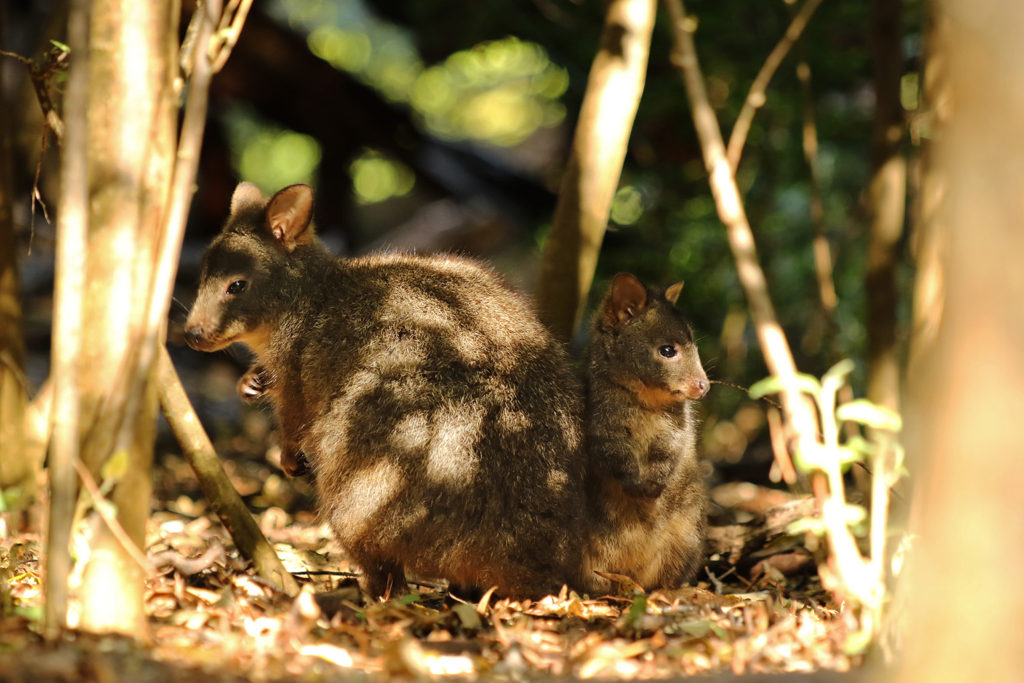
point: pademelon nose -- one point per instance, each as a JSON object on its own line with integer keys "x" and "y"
{"x": 194, "y": 337}
{"x": 696, "y": 388}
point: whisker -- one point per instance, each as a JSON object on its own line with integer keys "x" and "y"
{"x": 175, "y": 302}
{"x": 746, "y": 391}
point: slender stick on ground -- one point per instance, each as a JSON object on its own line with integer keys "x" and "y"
{"x": 222, "y": 496}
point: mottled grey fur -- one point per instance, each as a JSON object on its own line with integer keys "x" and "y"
{"x": 441, "y": 420}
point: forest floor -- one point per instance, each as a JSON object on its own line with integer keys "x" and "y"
{"x": 757, "y": 608}
{"x": 210, "y": 618}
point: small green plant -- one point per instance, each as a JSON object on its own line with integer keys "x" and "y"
{"x": 857, "y": 577}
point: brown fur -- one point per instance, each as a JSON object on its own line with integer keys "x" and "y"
{"x": 645, "y": 490}
{"x": 441, "y": 420}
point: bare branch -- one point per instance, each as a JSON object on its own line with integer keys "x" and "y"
{"x": 774, "y": 347}
{"x": 215, "y": 483}
{"x": 822, "y": 250}
{"x": 756, "y": 97}
{"x": 230, "y": 28}
{"x": 105, "y": 510}
{"x": 172, "y": 235}
{"x": 40, "y": 77}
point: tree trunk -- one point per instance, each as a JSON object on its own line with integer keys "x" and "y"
{"x": 965, "y": 398}
{"x": 592, "y": 175}
{"x": 887, "y": 197}
{"x": 131, "y": 133}
{"x": 69, "y": 281}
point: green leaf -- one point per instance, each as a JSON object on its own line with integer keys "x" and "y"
{"x": 862, "y": 446}
{"x": 32, "y": 612}
{"x": 698, "y": 629}
{"x": 637, "y": 609}
{"x": 60, "y": 46}
{"x": 854, "y": 514}
{"x": 409, "y": 598}
{"x": 805, "y": 524}
{"x": 814, "y": 457}
{"x": 867, "y": 413}
{"x": 836, "y": 375}
{"x": 848, "y": 456}
{"x": 116, "y": 467}
{"x": 773, "y": 385}
{"x": 720, "y": 632}
{"x": 857, "y": 643}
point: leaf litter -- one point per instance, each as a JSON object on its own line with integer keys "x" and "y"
{"x": 210, "y": 616}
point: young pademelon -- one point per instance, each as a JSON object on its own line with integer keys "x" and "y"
{"x": 646, "y": 496}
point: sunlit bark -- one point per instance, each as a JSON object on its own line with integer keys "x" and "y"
{"x": 72, "y": 227}
{"x": 131, "y": 153}
{"x": 592, "y": 174}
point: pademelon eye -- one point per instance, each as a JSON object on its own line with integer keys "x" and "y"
{"x": 237, "y": 287}
{"x": 667, "y": 351}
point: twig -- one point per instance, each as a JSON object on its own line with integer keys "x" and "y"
{"x": 216, "y": 486}
{"x": 773, "y": 342}
{"x": 756, "y": 96}
{"x": 776, "y": 432}
{"x": 40, "y": 77}
{"x": 820, "y": 247}
{"x": 228, "y": 31}
{"x": 104, "y": 507}
{"x": 72, "y": 228}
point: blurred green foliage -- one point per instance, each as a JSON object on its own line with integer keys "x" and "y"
{"x": 376, "y": 178}
{"x": 268, "y": 155}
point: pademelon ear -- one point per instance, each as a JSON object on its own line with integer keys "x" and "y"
{"x": 672, "y": 292}
{"x": 626, "y": 299}
{"x": 246, "y": 195}
{"x": 289, "y": 213}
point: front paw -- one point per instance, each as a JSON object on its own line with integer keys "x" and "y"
{"x": 294, "y": 462}
{"x": 254, "y": 384}
{"x": 643, "y": 489}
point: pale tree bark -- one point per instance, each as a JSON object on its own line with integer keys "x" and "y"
{"x": 802, "y": 421}
{"x": 591, "y": 177}
{"x": 138, "y": 192}
{"x": 886, "y": 200}
{"x": 964, "y": 390}
{"x": 69, "y": 281}
{"x": 131, "y": 139}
